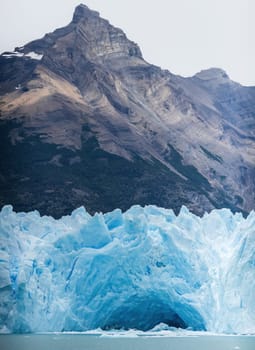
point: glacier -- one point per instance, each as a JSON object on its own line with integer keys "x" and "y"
{"x": 130, "y": 270}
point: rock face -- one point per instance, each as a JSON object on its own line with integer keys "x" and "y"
{"x": 85, "y": 120}
{"x": 131, "y": 270}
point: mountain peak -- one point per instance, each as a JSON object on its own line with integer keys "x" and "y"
{"x": 83, "y": 11}
{"x": 88, "y": 38}
{"x": 99, "y": 38}
{"x": 212, "y": 74}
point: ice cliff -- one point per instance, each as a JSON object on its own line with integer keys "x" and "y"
{"x": 127, "y": 270}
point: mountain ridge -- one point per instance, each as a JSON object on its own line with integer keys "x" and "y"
{"x": 87, "y": 87}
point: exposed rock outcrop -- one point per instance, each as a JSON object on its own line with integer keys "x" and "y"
{"x": 85, "y": 120}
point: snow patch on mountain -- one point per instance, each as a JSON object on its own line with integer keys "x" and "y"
{"x": 33, "y": 55}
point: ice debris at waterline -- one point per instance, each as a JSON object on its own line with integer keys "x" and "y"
{"x": 127, "y": 270}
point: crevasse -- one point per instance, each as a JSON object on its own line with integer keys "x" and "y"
{"x": 127, "y": 270}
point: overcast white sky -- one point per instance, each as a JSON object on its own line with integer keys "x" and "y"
{"x": 183, "y": 36}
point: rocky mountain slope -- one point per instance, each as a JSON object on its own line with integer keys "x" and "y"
{"x": 85, "y": 120}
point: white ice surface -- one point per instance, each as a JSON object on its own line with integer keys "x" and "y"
{"x": 129, "y": 270}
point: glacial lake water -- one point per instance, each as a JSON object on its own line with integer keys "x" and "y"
{"x": 97, "y": 342}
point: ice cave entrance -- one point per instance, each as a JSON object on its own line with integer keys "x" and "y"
{"x": 144, "y": 313}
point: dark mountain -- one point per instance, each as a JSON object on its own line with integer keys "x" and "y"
{"x": 85, "y": 120}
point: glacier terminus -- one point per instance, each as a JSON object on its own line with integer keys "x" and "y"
{"x": 123, "y": 270}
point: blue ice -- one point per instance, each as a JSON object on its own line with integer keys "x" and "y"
{"x": 135, "y": 269}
